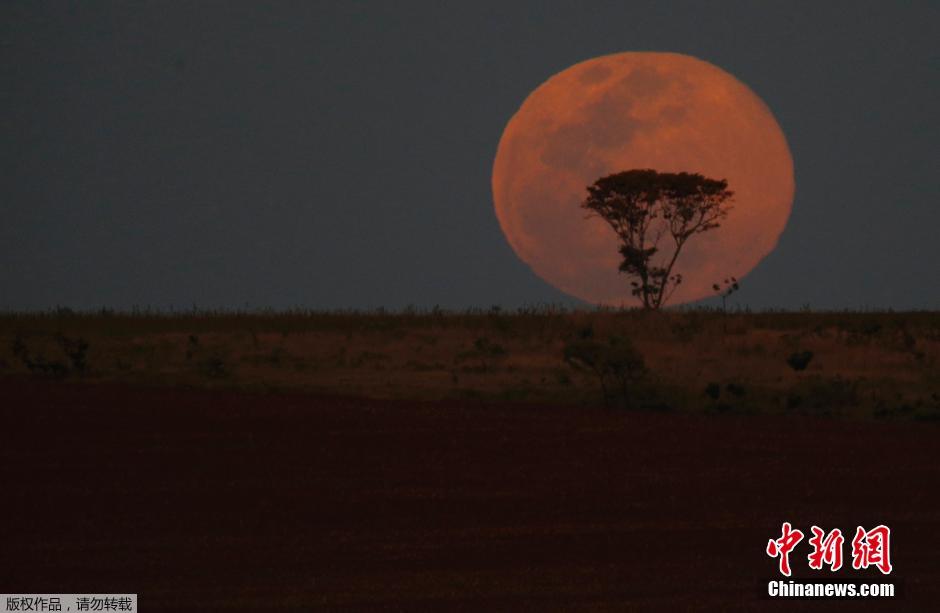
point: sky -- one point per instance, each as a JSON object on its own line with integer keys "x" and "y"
{"x": 338, "y": 155}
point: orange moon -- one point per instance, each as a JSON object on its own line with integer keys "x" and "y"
{"x": 665, "y": 111}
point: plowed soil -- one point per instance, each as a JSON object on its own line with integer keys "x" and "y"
{"x": 201, "y": 500}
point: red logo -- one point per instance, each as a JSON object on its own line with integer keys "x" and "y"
{"x": 872, "y": 548}
{"x": 826, "y": 550}
{"x": 783, "y": 546}
{"x": 869, "y": 548}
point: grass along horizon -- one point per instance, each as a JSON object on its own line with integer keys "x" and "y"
{"x": 851, "y": 364}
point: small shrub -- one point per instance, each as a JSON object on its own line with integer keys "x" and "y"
{"x": 720, "y": 408}
{"x": 713, "y": 390}
{"x": 685, "y": 332}
{"x": 40, "y": 365}
{"x": 214, "y": 368}
{"x": 76, "y": 351}
{"x": 192, "y": 346}
{"x": 883, "y": 412}
{"x": 372, "y": 358}
{"x": 928, "y": 413}
{"x": 19, "y": 349}
{"x": 37, "y": 364}
{"x": 483, "y": 355}
{"x": 485, "y": 348}
{"x": 824, "y": 396}
{"x": 800, "y": 360}
{"x": 616, "y": 364}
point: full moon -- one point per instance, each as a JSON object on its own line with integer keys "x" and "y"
{"x": 665, "y": 111}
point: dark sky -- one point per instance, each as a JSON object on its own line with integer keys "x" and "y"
{"x": 338, "y": 154}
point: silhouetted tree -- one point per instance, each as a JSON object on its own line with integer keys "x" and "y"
{"x": 647, "y": 208}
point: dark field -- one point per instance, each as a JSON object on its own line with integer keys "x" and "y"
{"x": 211, "y": 500}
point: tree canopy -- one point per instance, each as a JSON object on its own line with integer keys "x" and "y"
{"x": 654, "y": 214}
